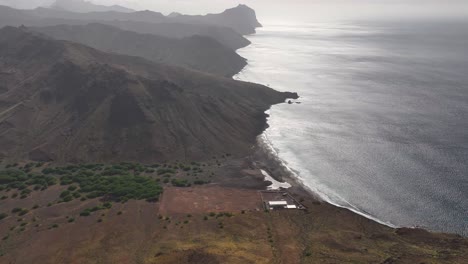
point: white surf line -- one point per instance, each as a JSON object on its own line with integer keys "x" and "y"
{"x": 275, "y": 185}
{"x": 265, "y": 141}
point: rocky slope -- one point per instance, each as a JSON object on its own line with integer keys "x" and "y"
{"x": 196, "y": 52}
{"x": 63, "y": 101}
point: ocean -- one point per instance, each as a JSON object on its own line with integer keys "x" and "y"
{"x": 381, "y": 126}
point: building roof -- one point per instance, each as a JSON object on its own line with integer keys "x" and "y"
{"x": 278, "y": 203}
{"x": 291, "y": 206}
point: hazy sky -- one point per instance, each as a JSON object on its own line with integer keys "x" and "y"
{"x": 284, "y": 10}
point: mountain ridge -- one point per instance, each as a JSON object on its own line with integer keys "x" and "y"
{"x": 83, "y": 6}
{"x": 241, "y": 19}
{"x": 43, "y": 17}
{"x": 196, "y": 52}
{"x": 68, "y": 102}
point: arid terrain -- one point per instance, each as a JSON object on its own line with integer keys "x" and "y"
{"x": 67, "y": 102}
{"x": 208, "y": 223}
{"x": 111, "y": 158}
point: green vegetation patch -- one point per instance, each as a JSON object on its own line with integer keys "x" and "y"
{"x": 118, "y": 187}
{"x": 117, "y": 182}
{"x": 17, "y": 179}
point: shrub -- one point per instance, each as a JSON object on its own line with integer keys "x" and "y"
{"x": 64, "y": 194}
{"x": 72, "y": 188}
{"x": 35, "y": 206}
{"x": 180, "y": 183}
{"x": 228, "y": 214}
{"x": 3, "y": 216}
{"x": 85, "y": 213}
{"x": 71, "y": 220}
{"x": 16, "y": 210}
{"x": 162, "y": 171}
{"x": 200, "y": 182}
{"x": 23, "y": 212}
{"x": 96, "y": 208}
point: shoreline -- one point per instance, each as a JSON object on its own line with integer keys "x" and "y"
{"x": 264, "y": 157}
{"x": 277, "y": 168}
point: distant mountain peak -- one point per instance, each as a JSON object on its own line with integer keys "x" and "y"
{"x": 174, "y": 14}
{"x": 242, "y": 16}
{"x": 83, "y": 6}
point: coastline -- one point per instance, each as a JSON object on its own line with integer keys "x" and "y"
{"x": 265, "y": 157}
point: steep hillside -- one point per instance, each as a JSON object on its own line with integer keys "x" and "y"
{"x": 196, "y": 52}
{"x": 63, "y": 101}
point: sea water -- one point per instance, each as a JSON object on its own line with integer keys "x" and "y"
{"x": 381, "y": 126}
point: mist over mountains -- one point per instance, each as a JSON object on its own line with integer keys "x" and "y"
{"x": 146, "y": 22}
{"x": 85, "y": 6}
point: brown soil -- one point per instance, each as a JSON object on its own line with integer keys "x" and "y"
{"x": 208, "y": 199}
{"x": 180, "y": 229}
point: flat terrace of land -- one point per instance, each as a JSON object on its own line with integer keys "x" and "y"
{"x": 277, "y": 199}
{"x": 210, "y": 198}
